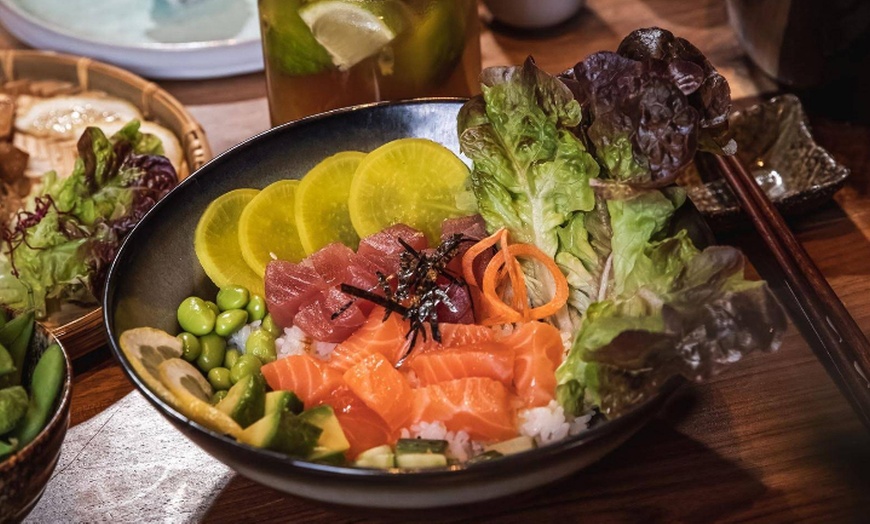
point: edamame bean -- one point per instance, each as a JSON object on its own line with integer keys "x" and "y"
{"x": 230, "y": 358}
{"x": 256, "y": 308}
{"x": 190, "y": 346}
{"x": 194, "y": 316}
{"x": 213, "y": 350}
{"x": 45, "y": 385}
{"x": 261, "y": 344}
{"x": 218, "y": 396}
{"x": 219, "y": 378}
{"x": 230, "y": 321}
{"x": 212, "y": 306}
{"x": 270, "y": 326}
{"x": 244, "y": 366}
{"x": 233, "y": 297}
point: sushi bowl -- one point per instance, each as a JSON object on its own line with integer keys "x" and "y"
{"x": 157, "y": 268}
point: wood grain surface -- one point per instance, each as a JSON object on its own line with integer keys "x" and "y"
{"x": 771, "y": 440}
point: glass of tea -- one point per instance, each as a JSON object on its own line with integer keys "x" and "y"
{"x": 324, "y": 54}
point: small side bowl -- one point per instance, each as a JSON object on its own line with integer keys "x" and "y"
{"x": 24, "y": 475}
{"x": 533, "y": 14}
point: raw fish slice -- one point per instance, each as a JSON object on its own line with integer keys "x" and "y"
{"x": 479, "y": 406}
{"x": 363, "y": 427}
{"x": 383, "y": 248}
{"x": 453, "y": 335}
{"x": 316, "y": 318}
{"x": 386, "y": 337}
{"x": 471, "y": 226}
{"x": 484, "y": 359}
{"x": 463, "y": 312}
{"x": 331, "y": 262}
{"x": 382, "y": 388}
{"x": 310, "y": 378}
{"x": 288, "y": 287}
{"x": 539, "y": 352}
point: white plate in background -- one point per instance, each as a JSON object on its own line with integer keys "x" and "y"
{"x": 154, "y": 38}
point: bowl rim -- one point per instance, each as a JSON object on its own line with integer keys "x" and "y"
{"x": 509, "y": 464}
{"x": 60, "y": 416}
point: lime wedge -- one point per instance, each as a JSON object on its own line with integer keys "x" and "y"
{"x": 146, "y": 348}
{"x": 321, "y": 203}
{"x": 288, "y": 42}
{"x": 352, "y": 31}
{"x": 410, "y": 181}
{"x": 192, "y": 393}
{"x": 216, "y": 242}
{"x": 267, "y": 227}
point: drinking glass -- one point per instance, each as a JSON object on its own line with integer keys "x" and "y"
{"x": 324, "y": 54}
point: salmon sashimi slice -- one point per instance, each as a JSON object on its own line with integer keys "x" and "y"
{"x": 363, "y": 428}
{"x": 539, "y": 352}
{"x": 479, "y": 406}
{"x": 382, "y": 388}
{"x": 376, "y": 335}
{"x": 310, "y": 378}
{"x": 454, "y": 335}
{"x": 483, "y": 359}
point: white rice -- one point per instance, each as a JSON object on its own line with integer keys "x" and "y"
{"x": 548, "y": 424}
{"x": 240, "y": 337}
{"x": 294, "y": 341}
{"x": 459, "y": 444}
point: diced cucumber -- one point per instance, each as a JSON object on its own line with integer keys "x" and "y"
{"x": 514, "y": 445}
{"x": 332, "y": 437}
{"x": 245, "y": 400}
{"x": 327, "y": 456}
{"x": 283, "y": 400}
{"x": 282, "y": 431}
{"x": 420, "y": 445}
{"x": 486, "y": 456}
{"x": 421, "y": 460}
{"x": 380, "y": 457}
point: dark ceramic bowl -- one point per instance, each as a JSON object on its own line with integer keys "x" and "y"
{"x": 23, "y": 475}
{"x": 156, "y": 269}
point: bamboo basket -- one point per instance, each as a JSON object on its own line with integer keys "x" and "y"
{"x": 80, "y": 328}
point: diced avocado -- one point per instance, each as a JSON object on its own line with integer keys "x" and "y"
{"x": 421, "y": 460}
{"x": 514, "y": 445}
{"x": 327, "y": 456}
{"x": 283, "y": 400}
{"x": 282, "y": 431}
{"x": 13, "y": 406}
{"x": 332, "y": 436}
{"x": 380, "y": 457}
{"x": 486, "y": 456}
{"x": 245, "y": 401}
{"x": 420, "y": 445}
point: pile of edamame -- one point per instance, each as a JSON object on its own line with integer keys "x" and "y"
{"x": 207, "y": 326}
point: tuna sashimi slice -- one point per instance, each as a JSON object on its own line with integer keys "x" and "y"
{"x": 382, "y": 388}
{"x": 377, "y": 335}
{"x": 288, "y": 287}
{"x": 479, "y": 406}
{"x": 310, "y": 378}
{"x": 363, "y": 428}
{"x": 383, "y": 248}
{"x": 539, "y": 352}
{"x": 484, "y": 359}
{"x": 316, "y": 318}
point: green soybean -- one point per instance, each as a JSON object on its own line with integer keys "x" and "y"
{"x": 244, "y": 366}
{"x": 256, "y": 308}
{"x": 218, "y": 396}
{"x": 190, "y": 346}
{"x": 230, "y": 321}
{"x": 45, "y": 384}
{"x": 195, "y": 316}
{"x": 212, "y": 306}
{"x": 232, "y": 297}
{"x": 261, "y": 344}
{"x": 214, "y": 347}
{"x": 230, "y": 357}
{"x": 219, "y": 378}
{"x": 270, "y": 326}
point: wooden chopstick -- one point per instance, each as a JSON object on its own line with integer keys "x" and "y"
{"x": 840, "y": 344}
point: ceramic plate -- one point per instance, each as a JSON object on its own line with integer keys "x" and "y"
{"x": 155, "y": 38}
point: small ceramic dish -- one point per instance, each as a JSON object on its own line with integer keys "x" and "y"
{"x": 533, "y": 14}
{"x": 24, "y": 475}
{"x": 775, "y": 142}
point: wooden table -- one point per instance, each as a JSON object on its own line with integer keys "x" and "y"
{"x": 770, "y": 440}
